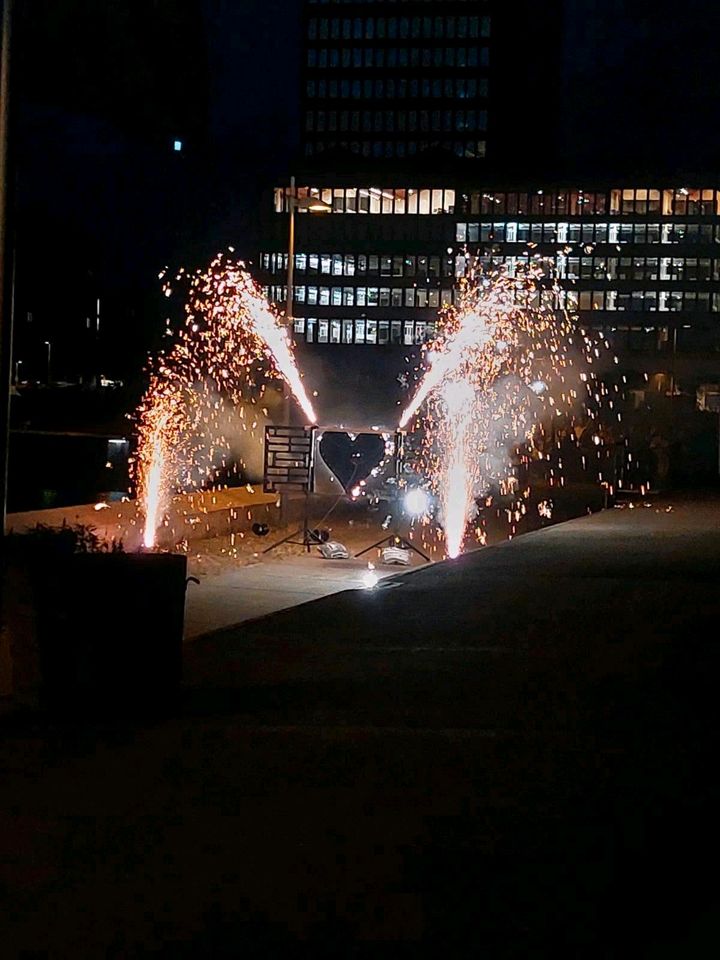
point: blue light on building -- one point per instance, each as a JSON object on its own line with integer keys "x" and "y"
{"x": 177, "y": 145}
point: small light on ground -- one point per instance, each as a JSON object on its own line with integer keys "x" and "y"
{"x": 370, "y": 578}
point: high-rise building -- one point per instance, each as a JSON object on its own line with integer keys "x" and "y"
{"x": 638, "y": 265}
{"x": 635, "y": 258}
{"x": 389, "y": 79}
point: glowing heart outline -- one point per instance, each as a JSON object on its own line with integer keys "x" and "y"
{"x": 350, "y": 457}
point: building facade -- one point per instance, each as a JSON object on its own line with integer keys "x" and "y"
{"x": 639, "y": 264}
{"x": 395, "y": 79}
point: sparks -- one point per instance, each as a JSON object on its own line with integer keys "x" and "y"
{"x": 459, "y": 466}
{"x": 503, "y": 357}
{"x": 231, "y": 345}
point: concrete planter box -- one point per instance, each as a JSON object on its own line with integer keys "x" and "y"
{"x": 96, "y": 635}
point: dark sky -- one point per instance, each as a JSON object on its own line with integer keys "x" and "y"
{"x": 101, "y": 91}
{"x": 641, "y": 93}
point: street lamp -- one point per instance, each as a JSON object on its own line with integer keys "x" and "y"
{"x": 313, "y": 205}
{"x": 47, "y": 344}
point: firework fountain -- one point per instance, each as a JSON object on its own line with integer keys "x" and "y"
{"x": 504, "y": 357}
{"x": 459, "y": 468}
{"x": 231, "y": 345}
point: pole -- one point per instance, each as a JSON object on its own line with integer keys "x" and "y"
{"x": 289, "y": 281}
{"x": 5, "y": 265}
{"x": 47, "y": 344}
{"x": 674, "y": 358}
{"x": 291, "y": 256}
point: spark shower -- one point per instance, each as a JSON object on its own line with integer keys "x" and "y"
{"x": 477, "y": 394}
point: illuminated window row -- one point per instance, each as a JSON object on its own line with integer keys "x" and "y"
{"x": 660, "y": 339}
{"x": 636, "y": 337}
{"x": 379, "y": 88}
{"x": 399, "y": 332}
{"x": 649, "y": 301}
{"x": 677, "y": 202}
{"x": 392, "y": 121}
{"x": 683, "y": 202}
{"x": 666, "y": 269}
{"x": 618, "y": 233}
{"x": 408, "y": 333}
{"x": 391, "y": 57}
{"x": 402, "y": 28}
{"x": 372, "y": 200}
{"x": 434, "y": 298}
{"x": 459, "y": 265}
{"x": 470, "y": 149}
{"x": 639, "y": 268}
{"x": 539, "y": 203}
{"x": 366, "y": 296}
{"x": 571, "y": 203}
{"x": 399, "y": 265}
{"x": 362, "y": 264}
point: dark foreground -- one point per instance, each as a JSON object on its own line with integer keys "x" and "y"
{"x": 509, "y": 756}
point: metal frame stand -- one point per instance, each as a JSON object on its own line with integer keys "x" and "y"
{"x": 309, "y": 539}
{"x": 395, "y": 540}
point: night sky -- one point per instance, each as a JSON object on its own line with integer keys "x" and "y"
{"x": 102, "y": 90}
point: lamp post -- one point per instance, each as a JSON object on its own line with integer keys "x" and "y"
{"x": 6, "y": 259}
{"x": 290, "y": 279}
{"x": 312, "y": 205}
{"x": 49, "y": 347}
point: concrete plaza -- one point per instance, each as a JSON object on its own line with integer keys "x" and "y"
{"x": 234, "y": 596}
{"x": 511, "y": 755}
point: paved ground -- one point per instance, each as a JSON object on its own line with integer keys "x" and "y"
{"x": 255, "y": 591}
{"x": 511, "y": 755}
{"x": 239, "y": 582}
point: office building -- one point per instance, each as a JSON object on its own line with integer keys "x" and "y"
{"x": 395, "y": 80}
{"x": 640, "y": 264}
{"x": 415, "y": 196}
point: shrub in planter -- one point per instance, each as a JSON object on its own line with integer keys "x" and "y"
{"x": 105, "y": 626}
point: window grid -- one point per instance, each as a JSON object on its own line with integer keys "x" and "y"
{"x": 646, "y": 253}
{"x": 573, "y": 203}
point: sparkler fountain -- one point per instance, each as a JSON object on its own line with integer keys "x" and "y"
{"x": 231, "y": 344}
{"x": 478, "y": 394}
{"x": 459, "y": 468}
{"x": 153, "y": 482}
{"x": 478, "y": 389}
